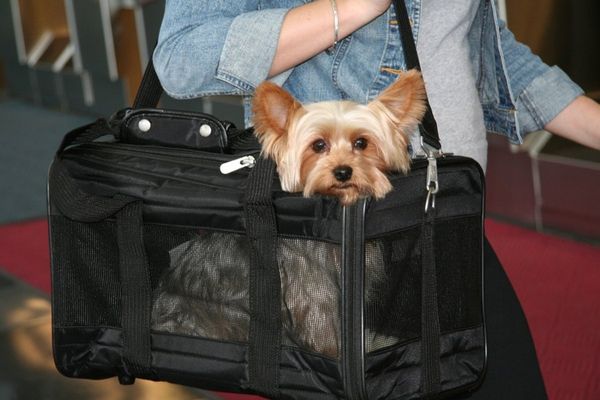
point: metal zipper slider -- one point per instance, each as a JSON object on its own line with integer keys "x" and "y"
{"x": 432, "y": 184}
{"x": 237, "y": 164}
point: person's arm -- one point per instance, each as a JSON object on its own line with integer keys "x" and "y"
{"x": 199, "y": 40}
{"x": 208, "y": 47}
{"x": 579, "y": 121}
{"x": 547, "y": 98}
{"x": 309, "y": 29}
{"x": 540, "y": 91}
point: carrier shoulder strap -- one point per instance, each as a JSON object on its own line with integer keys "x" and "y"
{"x": 150, "y": 89}
{"x": 430, "y": 325}
{"x": 428, "y": 127}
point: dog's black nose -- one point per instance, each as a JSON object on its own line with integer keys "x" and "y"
{"x": 342, "y": 173}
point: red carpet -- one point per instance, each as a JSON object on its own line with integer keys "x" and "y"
{"x": 557, "y": 281}
{"x": 24, "y": 252}
{"x": 558, "y": 284}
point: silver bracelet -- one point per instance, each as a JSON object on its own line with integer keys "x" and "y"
{"x": 336, "y": 25}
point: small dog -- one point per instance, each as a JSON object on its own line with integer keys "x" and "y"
{"x": 205, "y": 291}
{"x": 339, "y": 148}
{"x": 335, "y": 148}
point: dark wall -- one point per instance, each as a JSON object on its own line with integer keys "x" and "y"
{"x": 564, "y": 33}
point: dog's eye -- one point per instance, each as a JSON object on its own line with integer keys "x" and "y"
{"x": 360, "y": 144}
{"x": 319, "y": 146}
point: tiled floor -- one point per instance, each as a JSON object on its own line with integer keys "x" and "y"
{"x": 27, "y": 370}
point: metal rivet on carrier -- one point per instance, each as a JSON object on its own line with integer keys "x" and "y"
{"x": 205, "y": 130}
{"x": 144, "y": 125}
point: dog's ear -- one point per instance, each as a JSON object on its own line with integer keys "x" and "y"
{"x": 404, "y": 101}
{"x": 273, "y": 109}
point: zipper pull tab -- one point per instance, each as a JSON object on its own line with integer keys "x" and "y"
{"x": 237, "y": 164}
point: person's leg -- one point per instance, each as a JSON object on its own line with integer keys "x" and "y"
{"x": 513, "y": 371}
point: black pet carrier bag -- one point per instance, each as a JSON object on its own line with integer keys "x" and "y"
{"x": 166, "y": 268}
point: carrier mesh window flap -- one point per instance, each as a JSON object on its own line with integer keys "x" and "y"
{"x": 393, "y": 304}
{"x": 81, "y": 248}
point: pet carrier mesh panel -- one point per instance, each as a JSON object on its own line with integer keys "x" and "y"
{"x": 154, "y": 276}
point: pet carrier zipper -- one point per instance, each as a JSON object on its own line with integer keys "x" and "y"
{"x": 237, "y": 164}
{"x": 204, "y": 160}
{"x": 156, "y": 153}
{"x": 353, "y": 342}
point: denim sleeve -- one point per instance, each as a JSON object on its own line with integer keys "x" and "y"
{"x": 540, "y": 91}
{"x": 215, "y": 47}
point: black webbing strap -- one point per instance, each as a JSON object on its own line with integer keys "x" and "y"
{"x": 76, "y": 204}
{"x": 150, "y": 89}
{"x": 136, "y": 301}
{"x": 430, "y": 322}
{"x": 86, "y": 134}
{"x": 428, "y": 127}
{"x": 265, "y": 285}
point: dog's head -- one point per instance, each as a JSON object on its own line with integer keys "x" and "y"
{"x": 339, "y": 148}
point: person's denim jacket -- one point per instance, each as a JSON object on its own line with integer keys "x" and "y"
{"x": 216, "y": 47}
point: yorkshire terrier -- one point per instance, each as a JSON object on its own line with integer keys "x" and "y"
{"x": 205, "y": 291}
{"x": 339, "y": 148}
{"x": 335, "y": 148}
